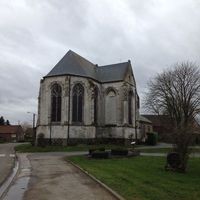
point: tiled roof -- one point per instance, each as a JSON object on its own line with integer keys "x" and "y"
{"x": 158, "y": 120}
{"x": 74, "y": 64}
{"x": 144, "y": 119}
{"x": 10, "y": 129}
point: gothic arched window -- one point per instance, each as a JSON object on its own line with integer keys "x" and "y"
{"x": 130, "y": 107}
{"x": 110, "y": 107}
{"x": 56, "y": 102}
{"x": 95, "y": 105}
{"x": 77, "y": 103}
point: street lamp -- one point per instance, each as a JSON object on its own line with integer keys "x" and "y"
{"x": 34, "y": 133}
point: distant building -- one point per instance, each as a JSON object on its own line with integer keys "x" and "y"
{"x": 28, "y": 134}
{"x": 83, "y": 102}
{"x": 11, "y": 133}
{"x": 145, "y": 126}
{"x": 163, "y": 126}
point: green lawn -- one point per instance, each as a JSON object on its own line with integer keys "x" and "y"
{"x": 27, "y": 148}
{"x": 165, "y": 150}
{"x": 144, "y": 178}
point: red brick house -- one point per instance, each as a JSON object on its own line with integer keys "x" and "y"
{"x": 11, "y": 133}
{"x": 163, "y": 126}
{"x": 145, "y": 126}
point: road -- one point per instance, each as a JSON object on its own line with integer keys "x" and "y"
{"x": 6, "y": 160}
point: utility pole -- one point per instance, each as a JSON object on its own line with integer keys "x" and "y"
{"x": 34, "y": 129}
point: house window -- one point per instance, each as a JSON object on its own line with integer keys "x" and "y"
{"x": 56, "y": 102}
{"x": 77, "y": 101}
{"x": 95, "y": 104}
{"x": 130, "y": 108}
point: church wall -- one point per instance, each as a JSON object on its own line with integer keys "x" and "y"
{"x": 59, "y": 130}
{"x": 116, "y": 112}
{"x": 87, "y": 129}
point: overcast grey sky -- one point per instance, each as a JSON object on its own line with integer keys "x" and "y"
{"x": 35, "y": 34}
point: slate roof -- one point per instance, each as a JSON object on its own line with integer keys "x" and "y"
{"x": 74, "y": 64}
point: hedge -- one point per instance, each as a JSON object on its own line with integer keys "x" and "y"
{"x": 152, "y": 138}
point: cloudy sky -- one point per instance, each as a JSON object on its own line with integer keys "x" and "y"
{"x": 35, "y": 34}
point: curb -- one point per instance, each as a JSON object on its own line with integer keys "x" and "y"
{"x": 9, "y": 180}
{"x": 112, "y": 192}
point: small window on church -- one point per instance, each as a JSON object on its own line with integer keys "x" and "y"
{"x": 138, "y": 102}
{"x": 130, "y": 107}
{"x": 95, "y": 104}
{"x": 111, "y": 107}
{"x": 56, "y": 102}
{"x": 77, "y": 101}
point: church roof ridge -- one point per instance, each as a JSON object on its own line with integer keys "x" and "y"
{"x": 74, "y": 64}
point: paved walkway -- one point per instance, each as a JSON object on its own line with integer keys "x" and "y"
{"x": 53, "y": 178}
{"x": 20, "y": 183}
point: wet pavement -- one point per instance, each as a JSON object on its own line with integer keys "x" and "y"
{"x": 49, "y": 176}
{"x": 20, "y": 183}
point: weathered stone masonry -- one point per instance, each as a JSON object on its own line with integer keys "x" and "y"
{"x": 113, "y": 95}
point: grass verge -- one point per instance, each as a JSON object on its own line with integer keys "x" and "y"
{"x": 165, "y": 150}
{"x": 28, "y": 148}
{"x": 144, "y": 178}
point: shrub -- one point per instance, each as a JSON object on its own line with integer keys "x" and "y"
{"x": 40, "y": 140}
{"x": 152, "y": 138}
{"x": 119, "y": 151}
{"x": 2, "y": 140}
{"x": 91, "y": 150}
{"x": 100, "y": 154}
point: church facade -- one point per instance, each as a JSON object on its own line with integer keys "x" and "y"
{"x": 80, "y": 102}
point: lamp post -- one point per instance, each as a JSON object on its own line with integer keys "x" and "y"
{"x": 34, "y": 133}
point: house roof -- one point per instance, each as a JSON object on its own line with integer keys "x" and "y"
{"x": 10, "y": 129}
{"x": 74, "y": 64}
{"x": 158, "y": 120}
{"x": 144, "y": 119}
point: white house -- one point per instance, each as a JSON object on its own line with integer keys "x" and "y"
{"x": 80, "y": 102}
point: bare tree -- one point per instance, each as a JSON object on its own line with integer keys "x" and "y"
{"x": 176, "y": 93}
{"x": 25, "y": 126}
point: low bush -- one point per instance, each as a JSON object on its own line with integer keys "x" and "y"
{"x": 152, "y": 138}
{"x": 40, "y": 140}
{"x": 21, "y": 141}
{"x": 119, "y": 151}
{"x": 91, "y": 150}
{"x": 100, "y": 154}
{"x": 2, "y": 140}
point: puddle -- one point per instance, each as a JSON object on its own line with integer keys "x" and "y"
{"x": 16, "y": 191}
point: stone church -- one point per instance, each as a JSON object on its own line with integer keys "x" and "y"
{"x": 81, "y": 102}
